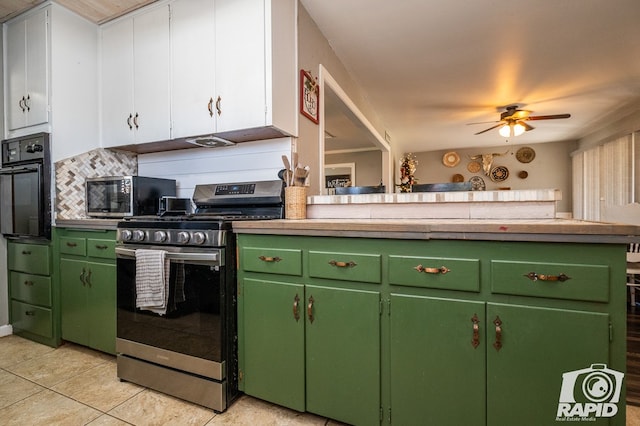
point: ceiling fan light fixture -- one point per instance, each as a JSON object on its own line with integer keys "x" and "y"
{"x": 510, "y": 130}
{"x": 518, "y": 129}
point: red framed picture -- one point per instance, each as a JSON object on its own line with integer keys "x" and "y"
{"x": 309, "y": 97}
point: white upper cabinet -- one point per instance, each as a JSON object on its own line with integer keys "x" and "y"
{"x": 192, "y": 68}
{"x": 135, "y": 79}
{"x": 27, "y": 71}
{"x": 51, "y": 78}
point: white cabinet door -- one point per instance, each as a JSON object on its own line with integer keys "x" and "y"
{"x": 117, "y": 84}
{"x": 27, "y": 71}
{"x": 151, "y": 75}
{"x": 193, "y": 94}
{"x": 240, "y": 64}
{"x": 135, "y": 79}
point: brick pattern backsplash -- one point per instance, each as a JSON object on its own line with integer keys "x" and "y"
{"x": 72, "y": 172}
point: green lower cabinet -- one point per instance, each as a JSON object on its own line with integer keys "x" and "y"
{"x": 88, "y": 303}
{"x": 313, "y": 348}
{"x": 512, "y": 376}
{"x": 437, "y": 373}
{"x": 539, "y": 345}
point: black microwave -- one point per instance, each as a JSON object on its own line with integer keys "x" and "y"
{"x": 123, "y": 196}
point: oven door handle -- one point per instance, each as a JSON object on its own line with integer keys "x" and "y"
{"x": 18, "y": 170}
{"x": 213, "y": 256}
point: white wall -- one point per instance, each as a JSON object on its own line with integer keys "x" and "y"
{"x": 243, "y": 162}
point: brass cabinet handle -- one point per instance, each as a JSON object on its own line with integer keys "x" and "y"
{"x": 88, "y": 279}
{"x": 498, "y": 343}
{"x": 218, "y": 108}
{"x": 296, "y": 312}
{"x": 101, "y": 247}
{"x": 70, "y": 244}
{"x": 270, "y": 259}
{"x": 475, "y": 341}
{"x": 22, "y": 104}
{"x": 339, "y": 264}
{"x": 135, "y": 120}
{"x": 129, "y": 121}
{"x": 534, "y": 276}
{"x": 210, "y": 107}
{"x": 441, "y": 270}
{"x": 26, "y": 102}
{"x": 30, "y": 313}
{"x": 84, "y": 283}
{"x": 310, "y": 309}
{"x": 26, "y": 252}
{"x": 28, "y": 283}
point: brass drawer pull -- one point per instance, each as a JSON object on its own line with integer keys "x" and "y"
{"x": 338, "y": 264}
{"x": 26, "y": 252}
{"x": 475, "y": 341}
{"x": 533, "y": 276}
{"x": 30, "y": 313}
{"x": 270, "y": 259}
{"x": 129, "y": 121}
{"x": 310, "y": 309}
{"x": 70, "y": 244}
{"x": 441, "y": 270}
{"x": 28, "y": 283}
{"x": 210, "y": 107}
{"x": 296, "y": 312}
{"x": 498, "y": 343}
{"x": 101, "y": 247}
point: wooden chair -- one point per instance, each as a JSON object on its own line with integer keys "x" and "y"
{"x": 633, "y": 270}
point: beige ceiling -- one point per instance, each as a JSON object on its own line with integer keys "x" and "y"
{"x": 429, "y": 67}
{"x": 97, "y": 11}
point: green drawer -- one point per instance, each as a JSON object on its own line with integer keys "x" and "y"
{"x": 31, "y": 258}
{"x": 435, "y": 272}
{"x": 29, "y": 288}
{"x": 345, "y": 266}
{"x": 75, "y": 246}
{"x": 272, "y": 261}
{"x": 105, "y": 249}
{"x": 31, "y": 318}
{"x": 554, "y": 280}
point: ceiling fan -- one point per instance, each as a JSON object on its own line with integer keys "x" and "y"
{"x": 512, "y": 121}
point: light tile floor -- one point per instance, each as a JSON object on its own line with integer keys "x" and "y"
{"x": 73, "y": 385}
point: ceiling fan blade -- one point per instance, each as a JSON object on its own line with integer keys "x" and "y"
{"x": 485, "y": 122}
{"x": 547, "y": 117}
{"x": 490, "y": 128}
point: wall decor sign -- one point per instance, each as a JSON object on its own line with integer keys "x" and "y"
{"x": 309, "y": 97}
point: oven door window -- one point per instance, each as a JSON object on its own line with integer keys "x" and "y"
{"x": 193, "y": 324}
{"x": 21, "y": 203}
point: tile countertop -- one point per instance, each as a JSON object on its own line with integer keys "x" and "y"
{"x": 551, "y": 230}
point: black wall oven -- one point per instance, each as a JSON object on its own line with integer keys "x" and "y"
{"x": 25, "y": 187}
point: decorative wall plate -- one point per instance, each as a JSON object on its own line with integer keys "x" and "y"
{"x": 499, "y": 173}
{"x": 450, "y": 159}
{"x": 523, "y": 174}
{"x": 457, "y": 178}
{"x": 477, "y": 183}
{"x": 474, "y": 166}
{"x": 525, "y": 154}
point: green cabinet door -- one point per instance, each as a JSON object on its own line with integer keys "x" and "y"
{"x": 273, "y": 342}
{"x": 343, "y": 354}
{"x": 102, "y": 306}
{"x": 538, "y": 345}
{"x": 437, "y": 361}
{"x": 73, "y": 301}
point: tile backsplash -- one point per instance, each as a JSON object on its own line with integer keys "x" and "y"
{"x": 72, "y": 172}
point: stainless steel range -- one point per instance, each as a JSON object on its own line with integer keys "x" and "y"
{"x": 176, "y": 297}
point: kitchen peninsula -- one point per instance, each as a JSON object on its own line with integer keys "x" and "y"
{"x": 411, "y": 319}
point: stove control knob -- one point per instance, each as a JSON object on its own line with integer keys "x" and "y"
{"x": 138, "y": 235}
{"x": 199, "y": 237}
{"x": 160, "y": 236}
{"x": 125, "y": 234}
{"x": 182, "y": 237}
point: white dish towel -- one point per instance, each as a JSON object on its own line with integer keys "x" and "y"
{"x": 152, "y": 280}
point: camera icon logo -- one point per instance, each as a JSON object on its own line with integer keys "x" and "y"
{"x": 592, "y": 391}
